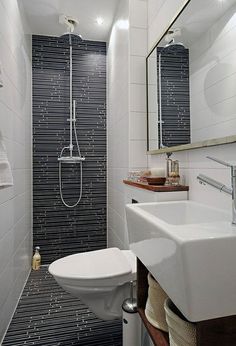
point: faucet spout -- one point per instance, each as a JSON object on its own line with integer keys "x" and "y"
{"x": 204, "y": 179}
{"x": 223, "y": 188}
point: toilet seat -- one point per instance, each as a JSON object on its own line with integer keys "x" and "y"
{"x": 100, "y": 279}
{"x": 101, "y": 268}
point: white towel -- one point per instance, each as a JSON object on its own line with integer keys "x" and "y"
{"x": 6, "y": 178}
{"x": 1, "y": 80}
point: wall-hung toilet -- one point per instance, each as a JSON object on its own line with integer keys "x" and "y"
{"x": 100, "y": 279}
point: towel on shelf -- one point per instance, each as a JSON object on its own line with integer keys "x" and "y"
{"x": 6, "y": 178}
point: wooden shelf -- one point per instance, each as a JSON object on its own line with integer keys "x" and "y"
{"x": 156, "y": 188}
{"x": 158, "y": 337}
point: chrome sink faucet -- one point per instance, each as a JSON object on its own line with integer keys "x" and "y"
{"x": 203, "y": 179}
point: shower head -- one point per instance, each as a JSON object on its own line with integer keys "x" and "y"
{"x": 172, "y": 43}
{"x": 170, "y": 38}
{"x": 70, "y": 23}
{"x": 68, "y": 36}
{"x": 71, "y": 34}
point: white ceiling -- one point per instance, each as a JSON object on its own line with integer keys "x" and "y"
{"x": 43, "y": 16}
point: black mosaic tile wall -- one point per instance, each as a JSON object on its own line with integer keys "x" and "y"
{"x": 175, "y": 100}
{"x": 60, "y": 231}
{"x": 48, "y": 316}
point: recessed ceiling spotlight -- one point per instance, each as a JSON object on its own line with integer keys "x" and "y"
{"x": 99, "y": 21}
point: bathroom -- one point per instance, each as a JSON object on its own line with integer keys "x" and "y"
{"x": 85, "y": 91}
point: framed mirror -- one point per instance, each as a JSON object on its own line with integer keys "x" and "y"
{"x": 191, "y": 79}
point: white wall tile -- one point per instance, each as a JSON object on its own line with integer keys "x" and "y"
{"x": 212, "y": 81}
{"x": 137, "y": 98}
{"x": 114, "y": 241}
{"x": 19, "y": 277}
{"x": 138, "y": 156}
{"x": 137, "y": 69}
{"x": 118, "y": 124}
{"x": 153, "y": 8}
{"x": 138, "y": 41}
{"x": 126, "y": 110}
{"x": 15, "y": 125}
{"x": 138, "y": 13}
{"x": 138, "y": 126}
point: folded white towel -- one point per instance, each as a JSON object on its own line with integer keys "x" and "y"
{"x": 6, "y": 178}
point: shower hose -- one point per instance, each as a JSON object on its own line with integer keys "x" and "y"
{"x": 81, "y": 173}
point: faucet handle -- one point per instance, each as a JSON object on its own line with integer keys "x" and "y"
{"x": 220, "y": 162}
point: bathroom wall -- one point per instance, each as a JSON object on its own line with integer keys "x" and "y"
{"x": 126, "y": 109}
{"x": 58, "y": 230}
{"x": 212, "y": 80}
{"x": 15, "y": 126}
{"x": 118, "y": 123}
{"x": 192, "y": 162}
{"x": 137, "y": 84}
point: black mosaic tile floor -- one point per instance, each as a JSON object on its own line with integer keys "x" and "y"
{"x": 47, "y": 315}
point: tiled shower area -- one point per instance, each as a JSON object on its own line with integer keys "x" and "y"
{"x": 46, "y": 314}
{"x": 58, "y": 230}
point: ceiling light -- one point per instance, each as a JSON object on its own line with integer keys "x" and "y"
{"x": 99, "y": 20}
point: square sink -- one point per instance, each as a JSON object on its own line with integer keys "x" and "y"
{"x": 190, "y": 249}
{"x": 183, "y": 212}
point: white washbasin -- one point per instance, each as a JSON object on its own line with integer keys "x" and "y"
{"x": 190, "y": 249}
{"x": 183, "y": 212}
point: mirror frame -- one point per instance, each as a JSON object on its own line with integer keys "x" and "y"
{"x": 182, "y": 147}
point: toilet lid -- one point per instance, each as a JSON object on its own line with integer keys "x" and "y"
{"x": 94, "y": 265}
